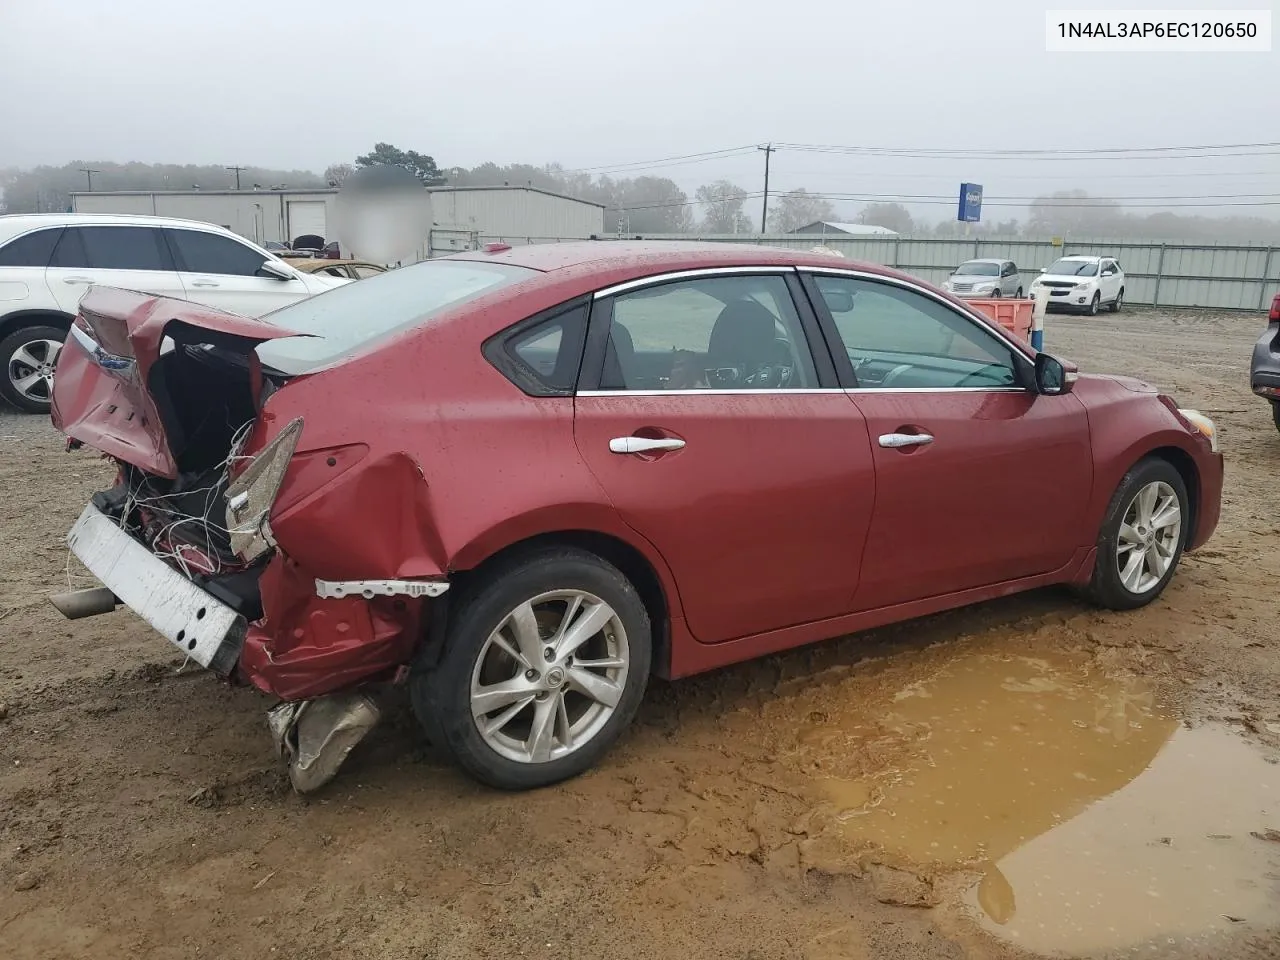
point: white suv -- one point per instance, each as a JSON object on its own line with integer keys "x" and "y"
{"x": 48, "y": 261}
{"x": 1083, "y": 283}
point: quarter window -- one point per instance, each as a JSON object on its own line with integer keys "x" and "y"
{"x": 30, "y": 250}
{"x": 713, "y": 333}
{"x": 200, "y": 252}
{"x": 898, "y": 338}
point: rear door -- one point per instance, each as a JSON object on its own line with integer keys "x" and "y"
{"x": 223, "y": 272}
{"x": 718, "y": 433}
{"x": 979, "y": 480}
{"x": 129, "y": 257}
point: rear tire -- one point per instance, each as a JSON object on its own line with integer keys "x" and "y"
{"x": 512, "y": 716}
{"x": 27, "y": 353}
{"x": 1142, "y": 537}
{"x": 1118, "y": 302}
{"x": 1275, "y": 414}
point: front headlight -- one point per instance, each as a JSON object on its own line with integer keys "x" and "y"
{"x": 1083, "y": 285}
{"x": 1203, "y": 424}
{"x": 985, "y": 287}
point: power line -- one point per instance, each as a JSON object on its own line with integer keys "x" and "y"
{"x": 666, "y": 161}
{"x": 1061, "y": 151}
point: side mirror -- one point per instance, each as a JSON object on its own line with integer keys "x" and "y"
{"x": 1039, "y": 269}
{"x": 274, "y": 268}
{"x": 1053, "y": 376}
{"x": 838, "y": 301}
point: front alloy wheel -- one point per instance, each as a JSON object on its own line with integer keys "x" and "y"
{"x": 1142, "y": 536}
{"x": 1094, "y": 303}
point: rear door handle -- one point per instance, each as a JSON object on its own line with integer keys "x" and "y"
{"x": 74, "y": 280}
{"x": 894, "y": 440}
{"x": 205, "y": 283}
{"x": 644, "y": 444}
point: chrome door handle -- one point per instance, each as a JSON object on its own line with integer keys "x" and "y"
{"x": 74, "y": 280}
{"x": 893, "y": 440}
{"x": 204, "y": 283}
{"x": 644, "y": 444}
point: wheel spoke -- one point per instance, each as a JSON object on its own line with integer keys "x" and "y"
{"x": 524, "y": 624}
{"x": 600, "y": 689}
{"x": 495, "y": 696}
{"x": 1146, "y": 504}
{"x": 570, "y": 614}
{"x": 608, "y": 663}
{"x": 542, "y": 733}
{"x": 1131, "y": 575}
{"x": 1156, "y": 562}
{"x": 1167, "y": 513}
{"x": 564, "y": 728}
{"x": 1129, "y": 537}
{"x": 24, "y": 384}
{"x": 587, "y": 626}
{"x": 24, "y": 356}
{"x": 506, "y": 716}
{"x": 503, "y": 644}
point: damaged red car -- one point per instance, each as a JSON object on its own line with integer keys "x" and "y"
{"x": 522, "y": 481}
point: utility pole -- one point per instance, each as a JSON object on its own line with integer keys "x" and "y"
{"x": 764, "y": 207}
{"x": 89, "y": 173}
{"x": 237, "y": 170}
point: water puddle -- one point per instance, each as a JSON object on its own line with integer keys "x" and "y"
{"x": 1095, "y": 818}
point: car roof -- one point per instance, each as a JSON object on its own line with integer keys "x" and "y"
{"x": 1085, "y": 257}
{"x": 989, "y": 260}
{"x": 643, "y": 257}
{"x": 12, "y": 224}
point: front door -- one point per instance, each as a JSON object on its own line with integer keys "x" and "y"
{"x": 715, "y": 440}
{"x": 220, "y": 271}
{"x": 979, "y": 480}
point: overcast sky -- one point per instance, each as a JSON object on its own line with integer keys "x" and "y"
{"x": 590, "y": 83}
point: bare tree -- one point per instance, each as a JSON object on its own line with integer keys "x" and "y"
{"x": 894, "y": 216}
{"x": 722, "y": 207}
{"x": 797, "y": 209}
{"x": 335, "y": 173}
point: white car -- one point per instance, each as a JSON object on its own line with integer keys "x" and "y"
{"x": 985, "y": 278}
{"x": 1083, "y": 284}
{"x": 48, "y": 261}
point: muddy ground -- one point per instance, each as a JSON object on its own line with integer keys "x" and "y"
{"x": 142, "y": 813}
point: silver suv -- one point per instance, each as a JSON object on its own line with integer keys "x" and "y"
{"x": 985, "y": 278}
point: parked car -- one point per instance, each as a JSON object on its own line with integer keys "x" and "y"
{"x": 350, "y": 269}
{"x": 48, "y": 261}
{"x": 590, "y": 462}
{"x": 1264, "y": 372}
{"x": 277, "y": 247}
{"x": 1083, "y": 284}
{"x": 985, "y": 278}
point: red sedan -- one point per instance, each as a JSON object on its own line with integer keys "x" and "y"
{"x": 523, "y": 480}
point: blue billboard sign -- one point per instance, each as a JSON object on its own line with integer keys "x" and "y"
{"x": 970, "y": 210}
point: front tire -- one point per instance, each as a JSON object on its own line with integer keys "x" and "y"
{"x": 29, "y": 356}
{"x": 1142, "y": 537}
{"x": 1018, "y": 295}
{"x": 545, "y": 662}
{"x": 1094, "y": 303}
{"x": 1118, "y": 302}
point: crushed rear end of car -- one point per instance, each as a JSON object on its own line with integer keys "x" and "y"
{"x": 258, "y": 550}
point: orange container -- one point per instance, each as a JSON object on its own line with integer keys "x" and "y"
{"x": 1013, "y": 315}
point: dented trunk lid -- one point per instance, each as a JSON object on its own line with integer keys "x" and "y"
{"x": 105, "y": 394}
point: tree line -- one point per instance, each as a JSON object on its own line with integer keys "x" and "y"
{"x": 636, "y": 205}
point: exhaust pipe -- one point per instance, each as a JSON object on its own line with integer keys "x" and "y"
{"x": 84, "y": 603}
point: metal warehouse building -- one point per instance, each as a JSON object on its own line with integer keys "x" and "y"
{"x": 460, "y": 216}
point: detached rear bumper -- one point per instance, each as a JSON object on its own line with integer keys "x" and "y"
{"x": 201, "y": 626}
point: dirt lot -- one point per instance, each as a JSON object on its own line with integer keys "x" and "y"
{"x": 776, "y": 809}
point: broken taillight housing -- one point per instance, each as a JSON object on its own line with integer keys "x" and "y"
{"x": 251, "y": 494}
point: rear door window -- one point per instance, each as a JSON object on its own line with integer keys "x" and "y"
{"x": 33, "y": 249}
{"x": 200, "y": 252}
{"x": 112, "y": 248}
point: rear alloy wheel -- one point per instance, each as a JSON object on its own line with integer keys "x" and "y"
{"x": 1118, "y": 302}
{"x": 996, "y": 294}
{"x": 545, "y": 663}
{"x": 1094, "y": 303}
{"x": 30, "y": 356}
{"x": 1142, "y": 537}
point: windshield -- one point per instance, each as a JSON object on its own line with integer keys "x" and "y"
{"x": 350, "y": 318}
{"x": 975, "y": 268}
{"x": 1074, "y": 268}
